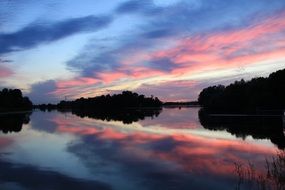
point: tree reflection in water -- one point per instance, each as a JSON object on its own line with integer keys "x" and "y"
{"x": 127, "y": 116}
{"x": 259, "y": 127}
{"x": 13, "y": 122}
{"x": 272, "y": 175}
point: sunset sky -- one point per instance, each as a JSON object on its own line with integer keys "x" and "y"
{"x": 167, "y": 48}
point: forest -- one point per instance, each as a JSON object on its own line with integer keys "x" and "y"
{"x": 13, "y": 100}
{"x": 247, "y": 96}
{"x": 126, "y": 99}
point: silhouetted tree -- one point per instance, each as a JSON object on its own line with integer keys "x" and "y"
{"x": 13, "y": 100}
{"x": 127, "y": 107}
{"x": 258, "y": 93}
{"x": 124, "y": 100}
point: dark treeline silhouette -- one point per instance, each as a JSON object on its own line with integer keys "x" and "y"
{"x": 127, "y": 116}
{"x": 259, "y": 127}
{"x": 193, "y": 103}
{"x": 13, "y": 100}
{"x": 124, "y": 100}
{"x": 13, "y": 122}
{"x": 258, "y": 93}
{"x": 46, "y": 107}
{"x": 127, "y": 107}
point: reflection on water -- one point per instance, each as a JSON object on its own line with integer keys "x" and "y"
{"x": 171, "y": 151}
{"x": 127, "y": 116}
{"x": 259, "y": 127}
{"x": 13, "y": 122}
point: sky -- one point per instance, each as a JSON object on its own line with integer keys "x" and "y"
{"x": 172, "y": 49}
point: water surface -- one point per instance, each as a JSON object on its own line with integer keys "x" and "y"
{"x": 168, "y": 150}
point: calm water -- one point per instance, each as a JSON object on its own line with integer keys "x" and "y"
{"x": 172, "y": 150}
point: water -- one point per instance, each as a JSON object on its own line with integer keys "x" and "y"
{"x": 170, "y": 150}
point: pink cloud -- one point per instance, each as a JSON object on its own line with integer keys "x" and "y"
{"x": 142, "y": 72}
{"x": 108, "y": 77}
{"x": 76, "y": 82}
{"x": 228, "y": 49}
{"x": 5, "y": 72}
{"x": 222, "y": 50}
{"x": 262, "y": 41}
{"x": 73, "y": 87}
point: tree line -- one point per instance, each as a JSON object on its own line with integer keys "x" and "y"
{"x": 257, "y": 93}
{"x": 126, "y": 99}
{"x": 13, "y": 100}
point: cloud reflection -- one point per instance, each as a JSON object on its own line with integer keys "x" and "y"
{"x": 151, "y": 156}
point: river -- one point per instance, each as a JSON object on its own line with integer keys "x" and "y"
{"x": 167, "y": 150}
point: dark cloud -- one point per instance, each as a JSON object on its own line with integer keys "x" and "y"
{"x": 196, "y": 17}
{"x": 159, "y": 33}
{"x": 89, "y": 63}
{"x": 201, "y": 16}
{"x": 42, "y": 92}
{"x": 163, "y": 64}
{"x": 145, "y": 8}
{"x": 133, "y": 6}
{"x": 36, "y": 34}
